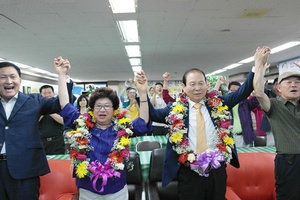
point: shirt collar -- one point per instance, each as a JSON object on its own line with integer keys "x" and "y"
{"x": 284, "y": 101}
{"x": 191, "y": 103}
{"x": 13, "y": 98}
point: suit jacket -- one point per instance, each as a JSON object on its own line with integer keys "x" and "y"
{"x": 24, "y": 150}
{"x": 171, "y": 164}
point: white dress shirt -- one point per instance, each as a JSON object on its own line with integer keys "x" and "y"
{"x": 209, "y": 126}
{"x": 8, "y": 107}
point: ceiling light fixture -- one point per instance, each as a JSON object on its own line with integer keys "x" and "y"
{"x": 247, "y": 60}
{"x": 129, "y": 30}
{"x": 219, "y": 71}
{"x": 135, "y": 61}
{"x": 136, "y": 69}
{"x": 133, "y": 50}
{"x": 20, "y": 65}
{"x": 123, "y": 6}
{"x": 284, "y": 46}
{"x": 232, "y": 66}
{"x": 41, "y": 71}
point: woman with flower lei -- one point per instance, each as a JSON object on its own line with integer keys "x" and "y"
{"x": 100, "y": 143}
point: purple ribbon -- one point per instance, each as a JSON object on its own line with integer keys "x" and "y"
{"x": 208, "y": 160}
{"x": 104, "y": 171}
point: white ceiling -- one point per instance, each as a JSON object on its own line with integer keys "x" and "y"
{"x": 175, "y": 35}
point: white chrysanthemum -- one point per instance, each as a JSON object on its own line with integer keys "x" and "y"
{"x": 128, "y": 131}
{"x": 120, "y": 147}
{"x": 191, "y": 157}
{"x": 119, "y": 166}
{"x": 82, "y": 146}
{"x": 228, "y": 149}
{"x": 180, "y": 116}
{"x": 81, "y": 122}
{"x": 76, "y": 135}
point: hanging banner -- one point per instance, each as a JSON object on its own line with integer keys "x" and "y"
{"x": 288, "y": 66}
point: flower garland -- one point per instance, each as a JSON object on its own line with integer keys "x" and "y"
{"x": 80, "y": 146}
{"x": 210, "y": 159}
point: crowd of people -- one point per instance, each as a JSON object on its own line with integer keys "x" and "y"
{"x": 101, "y": 123}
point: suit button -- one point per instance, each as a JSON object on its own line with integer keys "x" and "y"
{"x": 6, "y": 127}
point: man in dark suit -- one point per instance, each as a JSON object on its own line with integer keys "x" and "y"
{"x": 191, "y": 185}
{"x": 22, "y": 157}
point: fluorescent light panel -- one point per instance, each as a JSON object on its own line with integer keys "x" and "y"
{"x": 129, "y": 30}
{"x": 133, "y": 50}
{"x": 135, "y": 61}
{"x": 123, "y": 6}
{"x": 247, "y": 60}
{"x": 232, "y": 66}
{"x": 136, "y": 68}
{"x": 20, "y": 65}
{"x": 284, "y": 46}
{"x": 38, "y": 70}
{"x": 219, "y": 71}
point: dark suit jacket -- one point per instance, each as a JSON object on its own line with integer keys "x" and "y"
{"x": 171, "y": 165}
{"x": 24, "y": 150}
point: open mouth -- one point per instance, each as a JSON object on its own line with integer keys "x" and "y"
{"x": 9, "y": 88}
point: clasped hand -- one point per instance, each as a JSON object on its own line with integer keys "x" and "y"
{"x": 62, "y": 66}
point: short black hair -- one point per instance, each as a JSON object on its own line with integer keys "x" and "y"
{"x": 234, "y": 83}
{"x": 83, "y": 96}
{"x": 189, "y": 71}
{"x": 130, "y": 88}
{"x": 9, "y": 64}
{"x": 158, "y": 83}
{"x": 46, "y": 86}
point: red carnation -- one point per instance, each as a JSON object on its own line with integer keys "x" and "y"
{"x": 222, "y": 147}
{"x": 183, "y": 158}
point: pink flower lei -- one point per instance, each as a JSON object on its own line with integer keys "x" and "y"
{"x": 223, "y": 142}
{"x": 79, "y": 138}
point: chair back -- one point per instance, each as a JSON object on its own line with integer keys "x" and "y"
{"x": 59, "y": 183}
{"x": 147, "y": 145}
{"x": 134, "y": 177}
{"x": 260, "y": 141}
{"x": 154, "y": 187}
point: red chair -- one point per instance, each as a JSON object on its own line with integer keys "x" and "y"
{"x": 59, "y": 184}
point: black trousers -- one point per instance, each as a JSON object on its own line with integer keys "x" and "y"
{"x": 17, "y": 189}
{"x": 287, "y": 175}
{"x": 191, "y": 186}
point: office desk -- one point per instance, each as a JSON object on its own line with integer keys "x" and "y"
{"x": 145, "y": 155}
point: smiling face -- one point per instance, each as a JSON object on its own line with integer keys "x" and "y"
{"x": 47, "y": 92}
{"x": 196, "y": 86}
{"x": 131, "y": 94}
{"x": 83, "y": 102}
{"x": 10, "y": 82}
{"x": 103, "y": 112}
{"x": 289, "y": 88}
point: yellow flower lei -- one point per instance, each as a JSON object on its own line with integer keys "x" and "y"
{"x": 178, "y": 135}
{"x": 80, "y": 146}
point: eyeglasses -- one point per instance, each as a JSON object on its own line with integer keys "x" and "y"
{"x": 106, "y": 107}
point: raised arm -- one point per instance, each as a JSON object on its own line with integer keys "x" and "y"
{"x": 165, "y": 93}
{"x": 261, "y": 57}
{"x": 141, "y": 84}
{"x": 62, "y": 67}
